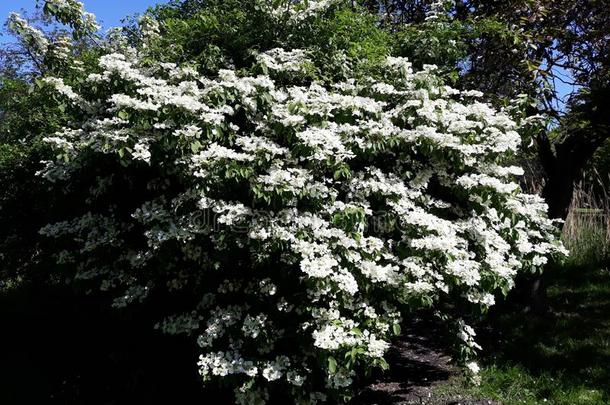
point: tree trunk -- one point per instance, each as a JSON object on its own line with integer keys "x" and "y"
{"x": 563, "y": 166}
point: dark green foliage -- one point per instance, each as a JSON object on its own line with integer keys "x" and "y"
{"x": 25, "y": 198}
{"x": 502, "y": 48}
{"x": 220, "y": 34}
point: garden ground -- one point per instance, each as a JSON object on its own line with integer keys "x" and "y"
{"x": 74, "y": 351}
{"x": 562, "y": 358}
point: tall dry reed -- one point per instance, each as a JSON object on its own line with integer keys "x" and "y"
{"x": 586, "y": 232}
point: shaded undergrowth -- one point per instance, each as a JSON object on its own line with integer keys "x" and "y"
{"x": 561, "y": 358}
{"x": 61, "y": 346}
{"x": 64, "y": 347}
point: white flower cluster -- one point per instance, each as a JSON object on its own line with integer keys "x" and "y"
{"x": 298, "y": 10}
{"x": 437, "y": 10}
{"x": 149, "y": 28}
{"x": 72, "y": 12}
{"x": 62, "y": 88}
{"x": 279, "y": 60}
{"x": 311, "y": 216}
{"x": 32, "y": 38}
{"x": 48, "y": 54}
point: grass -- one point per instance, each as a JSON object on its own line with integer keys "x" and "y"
{"x": 562, "y": 359}
{"x": 586, "y": 232}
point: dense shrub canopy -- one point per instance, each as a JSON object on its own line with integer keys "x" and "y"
{"x": 287, "y": 215}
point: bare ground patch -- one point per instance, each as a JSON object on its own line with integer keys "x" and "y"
{"x": 419, "y": 366}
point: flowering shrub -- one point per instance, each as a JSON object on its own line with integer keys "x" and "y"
{"x": 306, "y": 217}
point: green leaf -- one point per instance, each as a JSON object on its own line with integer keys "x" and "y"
{"x": 356, "y": 331}
{"x": 384, "y": 364}
{"x": 332, "y": 365}
{"x": 195, "y": 146}
{"x": 396, "y": 329}
{"x": 124, "y": 115}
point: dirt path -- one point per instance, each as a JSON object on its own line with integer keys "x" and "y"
{"x": 418, "y": 367}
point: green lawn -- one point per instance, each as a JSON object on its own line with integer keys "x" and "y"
{"x": 563, "y": 358}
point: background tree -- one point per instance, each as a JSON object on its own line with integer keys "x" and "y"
{"x": 536, "y": 48}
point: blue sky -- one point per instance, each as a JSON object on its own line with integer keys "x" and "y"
{"x": 108, "y": 12}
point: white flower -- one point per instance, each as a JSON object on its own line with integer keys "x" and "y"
{"x": 377, "y": 347}
{"x": 319, "y": 266}
{"x": 189, "y": 131}
{"x": 275, "y": 369}
{"x": 295, "y": 379}
{"x": 62, "y": 88}
{"x": 280, "y": 60}
{"x": 253, "y": 326}
{"x": 141, "y": 151}
{"x": 473, "y": 367}
{"x": 33, "y": 38}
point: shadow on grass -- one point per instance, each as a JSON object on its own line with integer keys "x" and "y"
{"x": 564, "y": 356}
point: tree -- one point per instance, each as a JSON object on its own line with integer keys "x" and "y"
{"x": 284, "y": 188}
